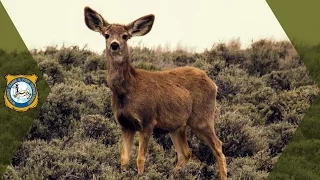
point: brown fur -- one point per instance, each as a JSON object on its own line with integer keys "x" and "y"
{"x": 167, "y": 101}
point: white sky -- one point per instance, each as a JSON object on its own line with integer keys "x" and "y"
{"x": 186, "y": 22}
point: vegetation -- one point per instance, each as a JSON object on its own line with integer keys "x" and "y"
{"x": 264, "y": 92}
{"x": 300, "y": 158}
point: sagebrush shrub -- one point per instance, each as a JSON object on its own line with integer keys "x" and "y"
{"x": 279, "y": 136}
{"x": 239, "y": 136}
{"x": 61, "y": 160}
{"x": 263, "y": 94}
{"x": 94, "y": 63}
{"x": 100, "y": 128}
{"x": 52, "y": 71}
{"x": 146, "y": 66}
{"x": 57, "y": 114}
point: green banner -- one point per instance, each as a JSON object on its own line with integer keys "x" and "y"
{"x": 15, "y": 59}
{"x": 300, "y": 21}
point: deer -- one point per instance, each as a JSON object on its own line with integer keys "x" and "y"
{"x": 147, "y": 101}
{"x": 21, "y": 93}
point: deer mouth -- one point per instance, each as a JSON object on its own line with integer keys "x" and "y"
{"x": 115, "y": 52}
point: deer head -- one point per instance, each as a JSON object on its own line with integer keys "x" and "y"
{"x": 116, "y": 35}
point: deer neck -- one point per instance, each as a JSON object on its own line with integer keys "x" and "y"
{"x": 120, "y": 76}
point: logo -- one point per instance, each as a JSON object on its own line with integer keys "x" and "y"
{"x": 21, "y": 93}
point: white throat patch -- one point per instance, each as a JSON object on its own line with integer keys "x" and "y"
{"x": 118, "y": 58}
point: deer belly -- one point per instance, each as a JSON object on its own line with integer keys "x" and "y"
{"x": 157, "y": 130}
{"x": 173, "y": 112}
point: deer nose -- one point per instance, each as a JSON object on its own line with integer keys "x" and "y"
{"x": 114, "y": 46}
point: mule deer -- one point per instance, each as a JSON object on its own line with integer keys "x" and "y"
{"x": 145, "y": 101}
{"x": 21, "y": 93}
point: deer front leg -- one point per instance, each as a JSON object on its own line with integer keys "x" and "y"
{"x": 127, "y": 140}
{"x": 143, "y": 148}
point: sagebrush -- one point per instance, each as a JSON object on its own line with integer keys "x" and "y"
{"x": 263, "y": 94}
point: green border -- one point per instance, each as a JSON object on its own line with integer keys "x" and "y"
{"x": 300, "y": 20}
{"x": 15, "y": 59}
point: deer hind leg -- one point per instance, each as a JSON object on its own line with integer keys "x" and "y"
{"x": 127, "y": 140}
{"x": 207, "y": 134}
{"x": 179, "y": 139}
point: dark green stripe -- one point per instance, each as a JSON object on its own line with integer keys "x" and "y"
{"x": 300, "y": 20}
{"x": 15, "y": 59}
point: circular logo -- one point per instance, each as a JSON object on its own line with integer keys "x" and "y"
{"x": 21, "y": 92}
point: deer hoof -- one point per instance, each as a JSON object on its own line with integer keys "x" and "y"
{"x": 124, "y": 168}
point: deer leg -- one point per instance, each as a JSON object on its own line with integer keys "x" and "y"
{"x": 179, "y": 139}
{"x": 208, "y": 135}
{"x": 127, "y": 140}
{"x": 144, "y": 138}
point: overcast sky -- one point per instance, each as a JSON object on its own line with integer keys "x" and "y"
{"x": 185, "y": 22}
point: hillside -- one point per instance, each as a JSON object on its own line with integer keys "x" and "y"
{"x": 264, "y": 92}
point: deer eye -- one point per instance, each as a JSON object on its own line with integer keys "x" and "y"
{"x": 124, "y": 37}
{"x": 106, "y": 36}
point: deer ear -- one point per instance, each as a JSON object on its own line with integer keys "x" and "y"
{"x": 141, "y": 26}
{"x": 94, "y": 20}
